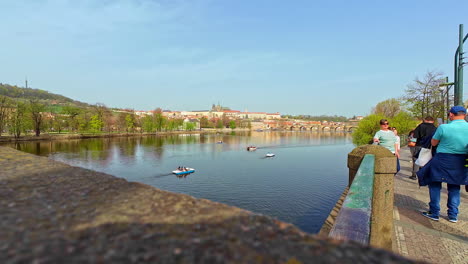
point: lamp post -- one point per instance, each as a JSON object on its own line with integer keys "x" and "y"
{"x": 442, "y": 89}
{"x": 458, "y": 71}
{"x": 445, "y": 86}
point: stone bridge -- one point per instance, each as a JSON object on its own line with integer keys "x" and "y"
{"x": 312, "y": 126}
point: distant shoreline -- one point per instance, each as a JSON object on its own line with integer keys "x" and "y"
{"x": 52, "y": 137}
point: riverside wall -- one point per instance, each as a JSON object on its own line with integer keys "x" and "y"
{"x": 55, "y": 213}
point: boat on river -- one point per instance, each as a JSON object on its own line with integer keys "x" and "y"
{"x": 251, "y": 148}
{"x": 183, "y": 171}
{"x": 269, "y": 155}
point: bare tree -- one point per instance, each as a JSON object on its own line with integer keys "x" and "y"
{"x": 104, "y": 115}
{"x": 424, "y": 95}
{"x": 36, "y": 109}
{"x": 388, "y": 108}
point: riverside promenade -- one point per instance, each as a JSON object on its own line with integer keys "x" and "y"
{"x": 418, "y": 237}
{"x": 51, "y": 212}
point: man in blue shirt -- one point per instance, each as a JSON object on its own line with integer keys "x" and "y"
{"x": 448, "y": 165}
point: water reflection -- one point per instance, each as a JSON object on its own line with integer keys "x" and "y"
{"x": 300, "y": 185}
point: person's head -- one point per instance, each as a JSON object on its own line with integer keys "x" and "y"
{"x": 457, "y": 112}
{"x": 428, "y": 119}
{"x": 395, "y": 131}
{"x": 384, "y": 124}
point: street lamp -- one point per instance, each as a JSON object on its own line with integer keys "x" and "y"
{"x": 445, "y": 87}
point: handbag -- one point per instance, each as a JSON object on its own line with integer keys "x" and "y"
{"x": 411, "y": 144}
{"x": 425, "y": 155}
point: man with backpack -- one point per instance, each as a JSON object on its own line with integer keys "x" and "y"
{"x": 423, "y": 134}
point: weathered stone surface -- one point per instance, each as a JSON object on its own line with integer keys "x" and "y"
{"x": 382, "y": 201}
{"x": 54, "y": 213}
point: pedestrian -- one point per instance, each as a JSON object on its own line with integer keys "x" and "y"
{"x": 386, "y": 138}
{"x": 448, "y": 164}
{"x": 395, "y": 131}
{"x": 423, "y": 134}
{"x": 411, "y": 142}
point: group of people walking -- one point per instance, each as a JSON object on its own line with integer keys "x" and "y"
{"x": 449, "y": 144}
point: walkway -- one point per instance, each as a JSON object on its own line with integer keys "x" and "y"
{"x": 418, "y": 237}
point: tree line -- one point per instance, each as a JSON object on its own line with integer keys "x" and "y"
{"x": 20, "y": 117}
{"x": 426, "y": 96}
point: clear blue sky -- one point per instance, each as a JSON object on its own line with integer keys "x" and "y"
{"x": 296, "y": 57}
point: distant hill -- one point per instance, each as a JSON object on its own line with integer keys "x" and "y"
{"x": 19, "y": 93}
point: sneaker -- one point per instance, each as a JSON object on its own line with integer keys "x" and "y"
{"x": 412, "y": 177}
{"x": 453, "y": 219}
{"x": 431, "y": 216}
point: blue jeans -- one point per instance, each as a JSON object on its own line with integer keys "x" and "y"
{"x": 453, "y": 198}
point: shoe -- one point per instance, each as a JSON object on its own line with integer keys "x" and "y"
{"x": 412, "y": 177}
{"x": 431, "y": 216}
{"x": 452, "y": 219}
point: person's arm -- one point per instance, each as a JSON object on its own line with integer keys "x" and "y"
{"x": 376, "y": 137}
{"x": 437, "y": 135}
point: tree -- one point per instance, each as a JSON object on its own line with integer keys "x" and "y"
{"x": 424, "y": 96}
{"x": 5, "y": 106}
{"x": 189, "y": 126}
{"x": 159, "y": 119}
{"x": 205, "y": 123}
{"x": 72, "y": 112}
{"x": 366, "y": 129}
{"x": 368, "y": 126}
{"x": 104, "y": 115}
{"x": 219, "y": 123}
{"x": 147, "y": 124}
{"x": 232, "y": 124}
{"x": 388, "y": 108}
{"x": 36, "y": 109}
{"x": 96, "y": 124}
{"x": 404, "y": 122}
{"x": 17, "y": 122}
{"x": 130, "y": 122}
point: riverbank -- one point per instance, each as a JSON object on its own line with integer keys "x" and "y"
{"x": 49, "y": 137}
{"x": 55, "y": 213}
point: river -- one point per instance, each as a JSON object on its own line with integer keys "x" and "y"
{"x": 300, "y": 185}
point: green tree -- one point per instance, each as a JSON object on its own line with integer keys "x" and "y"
{"x": 404, "y": 122}
{"x": 96, "y": 124}
{"x": 130, "y": 122}
{"x": 147, "y": 124}
{"x": 189, "y": 126}
{"x": 232, "y": 124}
{"x": 159, "y": 119}
{"x": 366, "y": 129}
{"x": 219, "y": 123}
{"x": 5, "y": 107}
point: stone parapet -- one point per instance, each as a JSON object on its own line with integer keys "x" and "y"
{"x": 383, "y": 192}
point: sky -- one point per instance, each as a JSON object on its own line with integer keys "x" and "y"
{"x": 330, "y": 57}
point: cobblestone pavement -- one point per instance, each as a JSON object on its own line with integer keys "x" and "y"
{"x": 418, "y": 237}
{"x": 54, "y": 213}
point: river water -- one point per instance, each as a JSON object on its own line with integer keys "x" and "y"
{"x": 300, "y": 185}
